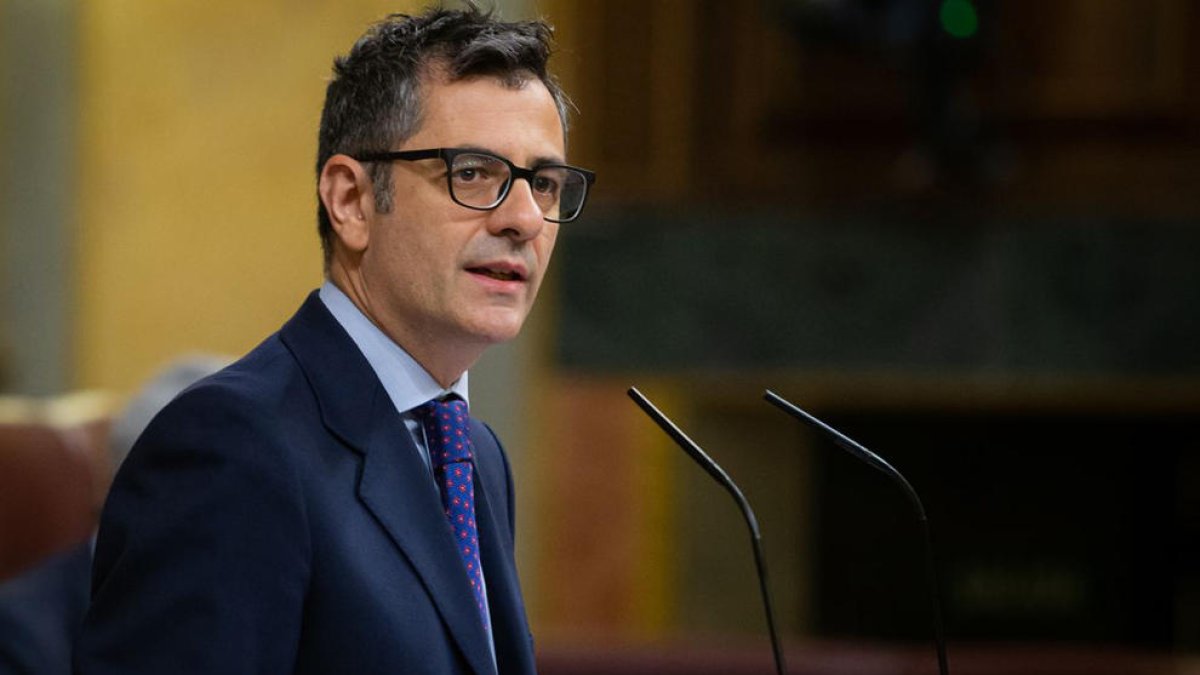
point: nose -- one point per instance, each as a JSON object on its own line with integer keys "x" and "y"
{"x": 518, "y": 217}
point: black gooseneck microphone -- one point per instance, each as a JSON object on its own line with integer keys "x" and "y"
{"x": 689, "y": 446}
{"x": 878, "y": 462}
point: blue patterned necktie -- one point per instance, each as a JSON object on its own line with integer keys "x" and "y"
{"x": 448, "y": 435}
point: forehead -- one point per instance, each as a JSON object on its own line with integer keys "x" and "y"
{"x": 515, "y": 119}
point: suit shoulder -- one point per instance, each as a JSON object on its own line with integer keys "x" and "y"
{"x": 248, "y": 413}
{"x": 252, "y": 388}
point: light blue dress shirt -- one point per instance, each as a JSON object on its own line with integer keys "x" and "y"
{"x": 406, "y": 382}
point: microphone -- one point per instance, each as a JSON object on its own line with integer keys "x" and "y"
{"x": 879, "y": 463}
{"x": 689, "y": 446}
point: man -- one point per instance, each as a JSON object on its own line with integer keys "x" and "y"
{"x": 41, "y": 610}
{"x": 306, "y": 510}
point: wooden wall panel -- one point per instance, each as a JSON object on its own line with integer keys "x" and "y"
{"x": 716, "y": 102}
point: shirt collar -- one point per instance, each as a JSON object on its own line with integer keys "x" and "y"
{"x": 406, "y": 382}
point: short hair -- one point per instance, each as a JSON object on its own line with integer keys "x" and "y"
{"x": 373, "y": 102}
{"x": 153, "y": 396}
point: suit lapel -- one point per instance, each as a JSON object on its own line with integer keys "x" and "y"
{"x": 509, "y": 629}
{"x": 397, "y": 489}
{"x": 395, "y": 485}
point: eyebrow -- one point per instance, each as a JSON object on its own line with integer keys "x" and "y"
{"x": 548, "y": 159}
{"x": 537, "y": 161}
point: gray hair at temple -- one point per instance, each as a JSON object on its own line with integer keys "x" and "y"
{"x": 153, "y": 396}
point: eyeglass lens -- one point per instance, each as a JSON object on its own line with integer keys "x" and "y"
{"x": 482, "y": 181}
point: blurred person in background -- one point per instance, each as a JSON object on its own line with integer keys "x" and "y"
{"x": 42, "y": 610}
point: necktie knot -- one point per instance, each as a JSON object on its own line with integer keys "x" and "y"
{"x": 446, "y": 430}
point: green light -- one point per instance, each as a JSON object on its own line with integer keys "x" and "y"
{"x": 959, "y": 18}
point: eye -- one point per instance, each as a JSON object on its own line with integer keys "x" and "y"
{"x": 468, "y": 174}
{"x": 475, "y": 169}
{"x": 546, "y": 184}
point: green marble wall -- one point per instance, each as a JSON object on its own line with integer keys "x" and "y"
{"x": 668, "y": 290}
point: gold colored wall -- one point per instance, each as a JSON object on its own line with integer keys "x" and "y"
{"x": 197, "y": 136}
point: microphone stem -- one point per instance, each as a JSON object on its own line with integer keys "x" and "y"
{"x": 761, "y": 563}
{"x": 857, "y": 450}
{"x": 939, "y": 631}
{"x": 760, "y": 559}
{"x": 713, "y": 469}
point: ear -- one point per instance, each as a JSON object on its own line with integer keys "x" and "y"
{"x": 345, "y": 190}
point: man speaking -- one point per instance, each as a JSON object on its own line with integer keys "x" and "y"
{"x": 326, "y": 504}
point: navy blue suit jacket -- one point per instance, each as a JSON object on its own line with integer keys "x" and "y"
{"x": 40, "y": 614}
{"x": 277, "y": 518}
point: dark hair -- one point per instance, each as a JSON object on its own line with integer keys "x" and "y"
{"x": 374, "y": 101}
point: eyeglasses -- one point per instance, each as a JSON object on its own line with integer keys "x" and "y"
{"x": 480, "y": 180}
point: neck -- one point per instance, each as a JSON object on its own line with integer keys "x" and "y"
{"x": 444, "y": 363}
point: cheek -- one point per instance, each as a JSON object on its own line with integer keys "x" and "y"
{"x": 399, "y": 260}
{"x": 543, "y": 249}
{"x": 545, "y": 243}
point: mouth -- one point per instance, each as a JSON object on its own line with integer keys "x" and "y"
{"x": 499, "y": 271}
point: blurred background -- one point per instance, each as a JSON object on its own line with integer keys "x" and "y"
{"x": 964, "y": 232}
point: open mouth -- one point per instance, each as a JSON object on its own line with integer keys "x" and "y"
{"x": 502, "y": 275}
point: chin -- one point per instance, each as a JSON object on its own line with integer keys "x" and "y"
{"x": 499, "y": 329}
{"x": 491, "y": 322}
{"x": 501, "y": 335}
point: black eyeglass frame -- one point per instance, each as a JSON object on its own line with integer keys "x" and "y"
{"x": 447, "y": 155}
